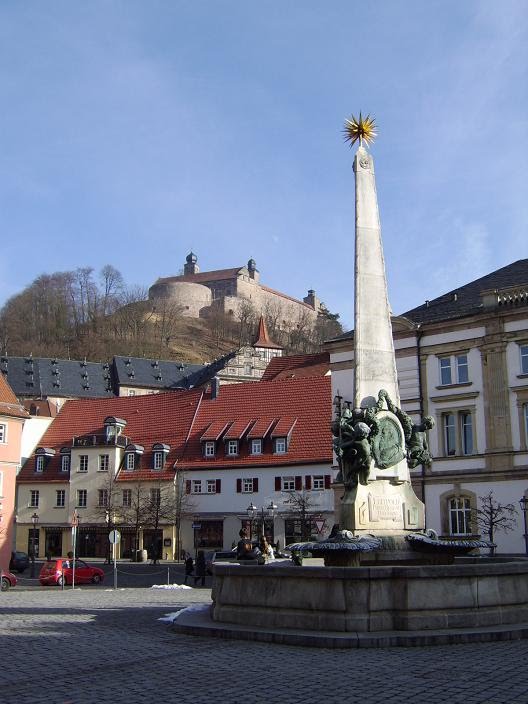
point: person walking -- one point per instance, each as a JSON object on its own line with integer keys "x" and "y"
{"x": 200, "y": 568}
{"x": 189, "y": 566}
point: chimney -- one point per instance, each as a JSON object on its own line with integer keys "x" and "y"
{"x": 215, "y": 387}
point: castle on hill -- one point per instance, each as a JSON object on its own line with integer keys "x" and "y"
{"x": 199, "y": 294}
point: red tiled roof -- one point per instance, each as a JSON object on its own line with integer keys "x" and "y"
{"x": 164, "y": 418}
{"x": 203, "y": 276}
{"x": 215, "y": 430}
{"x": 296, "y": 366}
{"x": 263, "y": 338}
{"x": 9, "y": 405}
{"x": 238, "y": 428}
{"x": 283, "y": 427}
{"x": 261, "y": 428}
{"x": 310, "y": 442}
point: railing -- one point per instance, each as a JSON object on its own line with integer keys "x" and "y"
{"x": 96, "y": 440}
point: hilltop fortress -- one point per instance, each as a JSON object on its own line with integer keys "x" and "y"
{"x": 226, "y": 290}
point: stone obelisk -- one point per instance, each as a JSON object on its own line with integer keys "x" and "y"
{"x": 374, "y": 435}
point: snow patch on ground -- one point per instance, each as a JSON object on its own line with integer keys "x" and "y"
{"x": 169, "y": 618}
{"x": 170, "y": 586}
{"x": 196, "y": 608}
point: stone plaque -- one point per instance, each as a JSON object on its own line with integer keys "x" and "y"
{"x": 385, "y": 508}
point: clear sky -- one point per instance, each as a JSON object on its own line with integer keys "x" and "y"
{"x": 133, "y": 131}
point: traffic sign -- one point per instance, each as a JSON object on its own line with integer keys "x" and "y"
{"x": 114, "y": 537}
{"x": 319, "y": 524}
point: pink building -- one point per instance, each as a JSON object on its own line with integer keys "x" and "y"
{"x": 12, "y": 417}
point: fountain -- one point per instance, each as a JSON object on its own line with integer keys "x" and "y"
{"x": 386, "y": 580}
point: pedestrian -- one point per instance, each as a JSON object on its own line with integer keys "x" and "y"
{"x": 189, "y": 566}
{"x": 200, "y": 568}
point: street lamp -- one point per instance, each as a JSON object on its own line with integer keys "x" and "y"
{"x": 252, "y": 511}
{"x": 524, "y": 508}
{"x": 34, "y": 519}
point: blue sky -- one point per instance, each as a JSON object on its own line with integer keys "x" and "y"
{"x": 133, "y": 131}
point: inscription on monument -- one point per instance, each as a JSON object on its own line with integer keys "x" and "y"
{"x": 385, "y": 508}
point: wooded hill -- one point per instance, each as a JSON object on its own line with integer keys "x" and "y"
{"x": 80, "y": 314}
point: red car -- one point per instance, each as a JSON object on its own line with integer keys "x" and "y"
{"x": 60, "y": 572}
{"x": 8, "y": 580}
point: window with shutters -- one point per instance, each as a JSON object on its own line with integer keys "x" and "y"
{"x": 196, "y": 486}
{"x": 318, "y": 482}
{"x": 211, "y": 486}
{"x": 247, "y": 486}
{"x": 288, "y": 484}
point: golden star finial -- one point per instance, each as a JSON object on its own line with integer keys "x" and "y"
{"x": 360, "y": 129}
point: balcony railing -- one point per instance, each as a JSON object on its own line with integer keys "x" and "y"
{"x": 100, "y": 440}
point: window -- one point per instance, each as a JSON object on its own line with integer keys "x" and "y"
{"x": 157, "y": 462}
{"x": 211, "y": 486}
{"x": 449, "y": 434}
{"x": 209, "y": 448}
{"x": 280, "y": 446}
{"x": 131, "y": 392}
{"x": 524, "y": 359}
{"x": 127, "y": 498}
{"x": 102, "y": 495}
{"x": 232, "y": 448}
{"x": 155, "y": 497}
{"x": 34, "y": 496}
{"x": 458, "y": 433}
{"x": 467, "y": 433}
{"x": 247, "y": 486}
{"x": 3, "y": 433}
{"x": 104, "y": 463}
{"x": 459, "y": 516}
{"x": 256, "y": 446}
{"x": 130, "y": 461}
{"x": 60, "y": 498}
{"x": 288, "y": 484}
{"x": 525, "y": 417}
{"x": 65, "y": 463}
{"x": 83, "y": 463}
{"x": 318, "y": 482}
{"x": 247, "y": 369}
{"x": 39, "y": 463}
{"x": 196, "y": 486}
{"x": 457, "y": 364}
{"x": 82, "y": 498}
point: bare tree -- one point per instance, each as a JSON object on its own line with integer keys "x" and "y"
{"x": 493, "y": 517}
{"x": 301, "y": 506}
{"x": 135, "y": 514}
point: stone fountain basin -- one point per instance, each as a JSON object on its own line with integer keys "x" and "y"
{"x": 372, "y": 599}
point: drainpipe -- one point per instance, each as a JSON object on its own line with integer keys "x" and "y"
{"x": 419, "y": 334}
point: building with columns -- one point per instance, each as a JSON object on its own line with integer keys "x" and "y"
{"x": 462, "y": 358}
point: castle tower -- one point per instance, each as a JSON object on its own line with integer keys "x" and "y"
{"x": 253, "y": 271}
{"x": 191, "y": 267}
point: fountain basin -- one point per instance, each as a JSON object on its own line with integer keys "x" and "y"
{"x": 372, "y": 599}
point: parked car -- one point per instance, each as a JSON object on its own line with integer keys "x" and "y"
{"x": 60, "y": 571}
{"x": 8, "y": 580}
{"x": 19, "y": 561}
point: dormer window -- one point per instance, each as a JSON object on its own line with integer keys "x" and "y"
{"x": 279, "y": 446}
{"x": 113, "y": 428}
{"x": 42, "y": 457}
{"x": 159, "y": 455}
{"x": 65, "y": 459}
{"x": 133, "y": 456}
{"x": 256, "y": 446}
{"x": 209, "y": 449}
{"x": 232, "y": 448}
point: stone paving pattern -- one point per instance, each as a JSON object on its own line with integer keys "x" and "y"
{"x": 96, "y": 645}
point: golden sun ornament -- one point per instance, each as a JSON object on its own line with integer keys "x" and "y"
{"x": 357, "y": 130}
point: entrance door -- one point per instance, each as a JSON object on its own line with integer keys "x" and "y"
{"x": 53, "y": 542}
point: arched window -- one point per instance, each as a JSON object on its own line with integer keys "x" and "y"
{"x": 459, "y": 515}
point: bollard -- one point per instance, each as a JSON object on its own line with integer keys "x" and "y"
{"x": 168, "y": 576}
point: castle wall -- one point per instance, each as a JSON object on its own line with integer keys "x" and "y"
{"x": 192, "y": 298}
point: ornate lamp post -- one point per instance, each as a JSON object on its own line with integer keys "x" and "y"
{"x": 252, "y": 512}
{"x": 34, "y": 519}
{"x": 524, "y": 508}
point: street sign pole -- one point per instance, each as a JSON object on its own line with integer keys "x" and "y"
{"x": 114, "y": 537}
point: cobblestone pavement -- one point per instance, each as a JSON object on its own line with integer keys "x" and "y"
{"x": 95, "y": 645}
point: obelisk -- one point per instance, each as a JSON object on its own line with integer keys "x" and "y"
{"x": 374, "y": 435}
